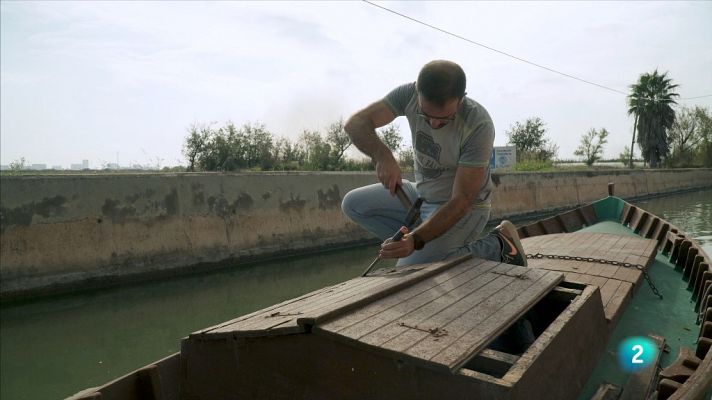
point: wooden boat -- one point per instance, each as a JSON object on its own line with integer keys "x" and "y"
{"x": 449, "y": 329}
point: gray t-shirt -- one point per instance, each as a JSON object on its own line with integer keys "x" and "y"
{"x": 466, "y": 141}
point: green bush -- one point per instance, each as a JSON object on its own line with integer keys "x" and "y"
{"x": 534, "y": 165}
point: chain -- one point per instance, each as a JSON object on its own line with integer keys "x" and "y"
{"x": 602, "y": 261}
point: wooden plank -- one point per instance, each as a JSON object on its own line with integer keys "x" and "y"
{"x": 284, "y": 317}
{"x": 400, "y": 282}
{"x": 689, "y": 261}
{"x": 492, "y": 362}
{"x": 607, "y": 391}
{"x": 268, "y": 309}
{"x": 608, "y": 289}
{"x": 479, "y": 289}
{"x": 552, "y": 225}
{"x": 627, "y": 214}
{"x": 619, "y": 299}
{"x": 379, "y": 313}
{"x": 414, "y": 328}
{"x": 479, "y": 335}
{"x": 571, "y": 221}
{"x": 642, "y": 382}
{"x": 462, "y": 316}
{"x": 297, "y": 309}
{"x": 588, "y": 214}
{"x": 704, "y": 267}
{"x": 694, "y": 271}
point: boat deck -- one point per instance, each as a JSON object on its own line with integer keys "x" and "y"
{"x": 444, "y": 321}
{"x": 615, "y": 282}
{"x": 436, "y": 315}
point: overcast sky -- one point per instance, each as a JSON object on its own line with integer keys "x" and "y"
{"x": 91, "y": 80}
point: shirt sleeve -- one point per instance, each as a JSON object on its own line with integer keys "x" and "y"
{"x": 476, "y": 149}
{"x": 398, "y": 98}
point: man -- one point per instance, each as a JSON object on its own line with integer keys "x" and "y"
{"x": 452, "y": 138}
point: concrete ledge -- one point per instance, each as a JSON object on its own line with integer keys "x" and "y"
{"x": 71, "y": 231}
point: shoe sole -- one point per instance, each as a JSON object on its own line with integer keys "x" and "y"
{"x": 511, "y": 231}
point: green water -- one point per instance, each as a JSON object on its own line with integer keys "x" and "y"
{"x": 52, "y": 348}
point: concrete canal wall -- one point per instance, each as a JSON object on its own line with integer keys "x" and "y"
{"x": 76, "y": 231}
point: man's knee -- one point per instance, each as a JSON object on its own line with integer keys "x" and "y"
{"x": 348, "y": 204}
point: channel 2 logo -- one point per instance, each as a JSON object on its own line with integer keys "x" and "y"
{"x": 636, "y": 353}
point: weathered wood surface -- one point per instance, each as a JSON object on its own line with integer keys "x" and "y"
{"x": 641, "y": 384}
{"x": 616, "y": 282}
{"x": 443, "y": 322}
{"x": 292, "y": 316}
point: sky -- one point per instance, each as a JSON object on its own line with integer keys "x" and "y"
{"x": 108, "y": 81}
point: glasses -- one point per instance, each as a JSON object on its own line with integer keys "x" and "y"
{"x": 428, "y": 117}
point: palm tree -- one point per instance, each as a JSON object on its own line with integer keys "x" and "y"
{"x": 651, "y": 101}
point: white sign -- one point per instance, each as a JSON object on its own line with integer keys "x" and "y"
{"x": 503, "y": 157}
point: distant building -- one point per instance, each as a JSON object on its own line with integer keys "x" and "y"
{"x": 38, "y": 167}
{"x": 57, "y": 167}
{"x": 79, "y": 167}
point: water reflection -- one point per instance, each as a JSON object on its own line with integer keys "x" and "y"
{"x": 691, "y": 212}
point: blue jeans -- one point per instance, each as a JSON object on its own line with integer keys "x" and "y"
{"x": 377, "y": 211}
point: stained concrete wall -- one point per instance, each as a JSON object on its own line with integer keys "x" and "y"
{"x": 72, "y": 231}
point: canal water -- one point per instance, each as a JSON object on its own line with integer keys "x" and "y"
{"x": 54, "y": 347}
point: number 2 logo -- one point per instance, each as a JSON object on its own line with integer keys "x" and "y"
{"x": 639, "y": 350}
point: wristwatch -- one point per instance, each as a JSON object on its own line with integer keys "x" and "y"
{"x": 418, "y": 242}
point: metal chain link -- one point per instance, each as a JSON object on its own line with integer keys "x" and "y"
{"x": 601, "y": 261}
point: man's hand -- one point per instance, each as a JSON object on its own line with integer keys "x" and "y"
{"x": 399, "y": 249}
{"x": 361, "y": 128}
{"x": 389, "y": 172}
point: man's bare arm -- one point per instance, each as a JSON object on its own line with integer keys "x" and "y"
{"x": 361, "y": 127}
{"x": 468, "y": 181}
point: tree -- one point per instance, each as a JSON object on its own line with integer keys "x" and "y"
{"x": 683, "y": 137}
{"x": 625, "y": 156}
{"x": 339, "y": 141}
{"x": 703, "y": 152}
{"x": 406, "y": 160}
{"x": 391, "y": 137}
{"x": 288, "y": 155}
{"x": 650, "y": 101}
{"x": 316, "y": 150}
{"x": 258, "y": 146}
{"x": 591, "y": 147}
{"x": 17, "y": 165}
{"x": 530, "y": 140}
{"x": 195, "y": 143}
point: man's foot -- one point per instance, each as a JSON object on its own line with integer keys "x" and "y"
{"x": 512, "y": 250}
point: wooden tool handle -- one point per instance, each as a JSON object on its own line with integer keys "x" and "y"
{"x": 403, "y": 197}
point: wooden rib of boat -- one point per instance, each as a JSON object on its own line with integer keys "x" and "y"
{"x": 454, "y": 329}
